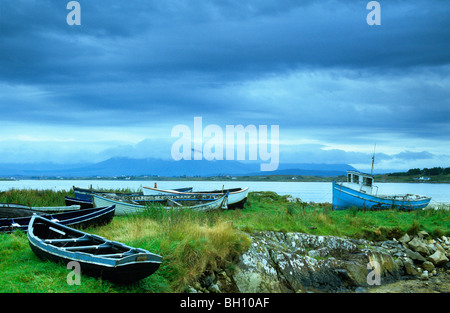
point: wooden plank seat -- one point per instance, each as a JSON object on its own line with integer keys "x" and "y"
{"x": 93, "y": 247}
{"x": 117, "y": 255}
{"x": 68, "y": 240}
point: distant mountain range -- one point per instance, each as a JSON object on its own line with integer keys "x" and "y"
{"x": 115, "y": 167}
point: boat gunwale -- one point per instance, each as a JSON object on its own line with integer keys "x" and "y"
{"x": 171, "y": 191}
{"x": 86, "y": 218}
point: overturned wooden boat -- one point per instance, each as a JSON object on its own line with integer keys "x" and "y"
{"x": 97, "y": 256}
{"x": 136, "y": 204}
{"x": 78, "y": 218}
{"x": 236, "y": 196}
{"x": 84, "y": 204}
{"x": 360, "y": 192}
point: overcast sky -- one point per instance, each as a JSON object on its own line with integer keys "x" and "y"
{"x": 117, "y": 84}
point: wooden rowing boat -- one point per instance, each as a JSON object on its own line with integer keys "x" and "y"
{"x": 97, "y": 256}
{"x": 78, "y": 218}
{"x": 86, "y": 194}
{"x": 236, "y": 196}
{"x": 135, "y": 204}
{"x": 9, "y": 210}
{"x": 84, "y": 204}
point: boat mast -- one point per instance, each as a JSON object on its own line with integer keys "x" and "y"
{"x": 373, "y": 159}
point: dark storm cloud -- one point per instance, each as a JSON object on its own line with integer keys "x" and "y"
{"x": 313, "y": 67}
{"x": 231, "y": 40}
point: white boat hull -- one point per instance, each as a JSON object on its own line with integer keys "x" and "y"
{"x": 235, "y": 197}
{"x": 125, "y": 208}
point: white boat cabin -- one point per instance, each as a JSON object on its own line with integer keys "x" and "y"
{"x": 360, "y": 181}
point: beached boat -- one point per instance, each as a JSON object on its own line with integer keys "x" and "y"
{"x": 56, "y": 209}
{"x": 79, "y": 218}
{"x": 96, "y": 255}
{"x": 86, "y": 194}
{"x": 149, "y": 191}
{"x": 84, "y": 204}
{"x": 135, "y": 204}
{"x": 10, "y": 210}
{"x": 360, "y": 192}
{"x": 236, "y": 196}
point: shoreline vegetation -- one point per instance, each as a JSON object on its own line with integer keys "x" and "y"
{"x": 193, "y": 243}
{"x": 426, "y": 175}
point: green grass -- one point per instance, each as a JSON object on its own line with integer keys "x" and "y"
{"x": 34, "y": 197}
{"x": 269, "y": 211}
{"x": 194, "y": 242}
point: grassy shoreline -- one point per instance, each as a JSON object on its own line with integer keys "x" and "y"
{"x": 194, "y": 242}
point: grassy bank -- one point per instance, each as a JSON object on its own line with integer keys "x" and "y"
{"x": 194, "y": 242}
{"x": 269, "y": 211}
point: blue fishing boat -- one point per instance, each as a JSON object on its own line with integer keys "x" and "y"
{"x": 359, "y": 191}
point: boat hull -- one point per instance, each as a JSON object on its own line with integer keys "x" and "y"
{"x": 236, "y": 196}
{"x": 344, "y": 198}
{"x": 125, "y": 208}
{"x": 79, "y": 218}
{"x": 84, "y": 204}
{"x": 127, "y": 266}
{"x": 86, "y": 194}
{"x": 118, "y": 274}
{"x": 10, "y": 210}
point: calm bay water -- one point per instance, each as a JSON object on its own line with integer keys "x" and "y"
{"x": 307, "y": 191}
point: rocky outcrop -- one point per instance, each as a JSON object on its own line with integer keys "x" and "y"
{"x": 298, "y": 262}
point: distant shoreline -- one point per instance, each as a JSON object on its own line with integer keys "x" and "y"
{"x": 380, "y": 178}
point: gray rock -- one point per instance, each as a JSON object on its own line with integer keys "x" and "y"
{"x": 424, "y": 275}
{"x": 404, "y": 239}
{"x": 422, "y": 234}
{"x": 446, "y": 240}
{"x": 432, "y": 248}
{"x": 427, "y": 265}
{"x": 419, "y": 246}
{"x": 191, "y": 289}
{"x": 438, "y": 258}
{"x": 214, "y": 288}
{"x": 414, "y": 255}
{"x": 278, "y": 262}
{"x": 360, "y": 290}
{"x": 321, "y": 252}
{"x": 410, "y": 268}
